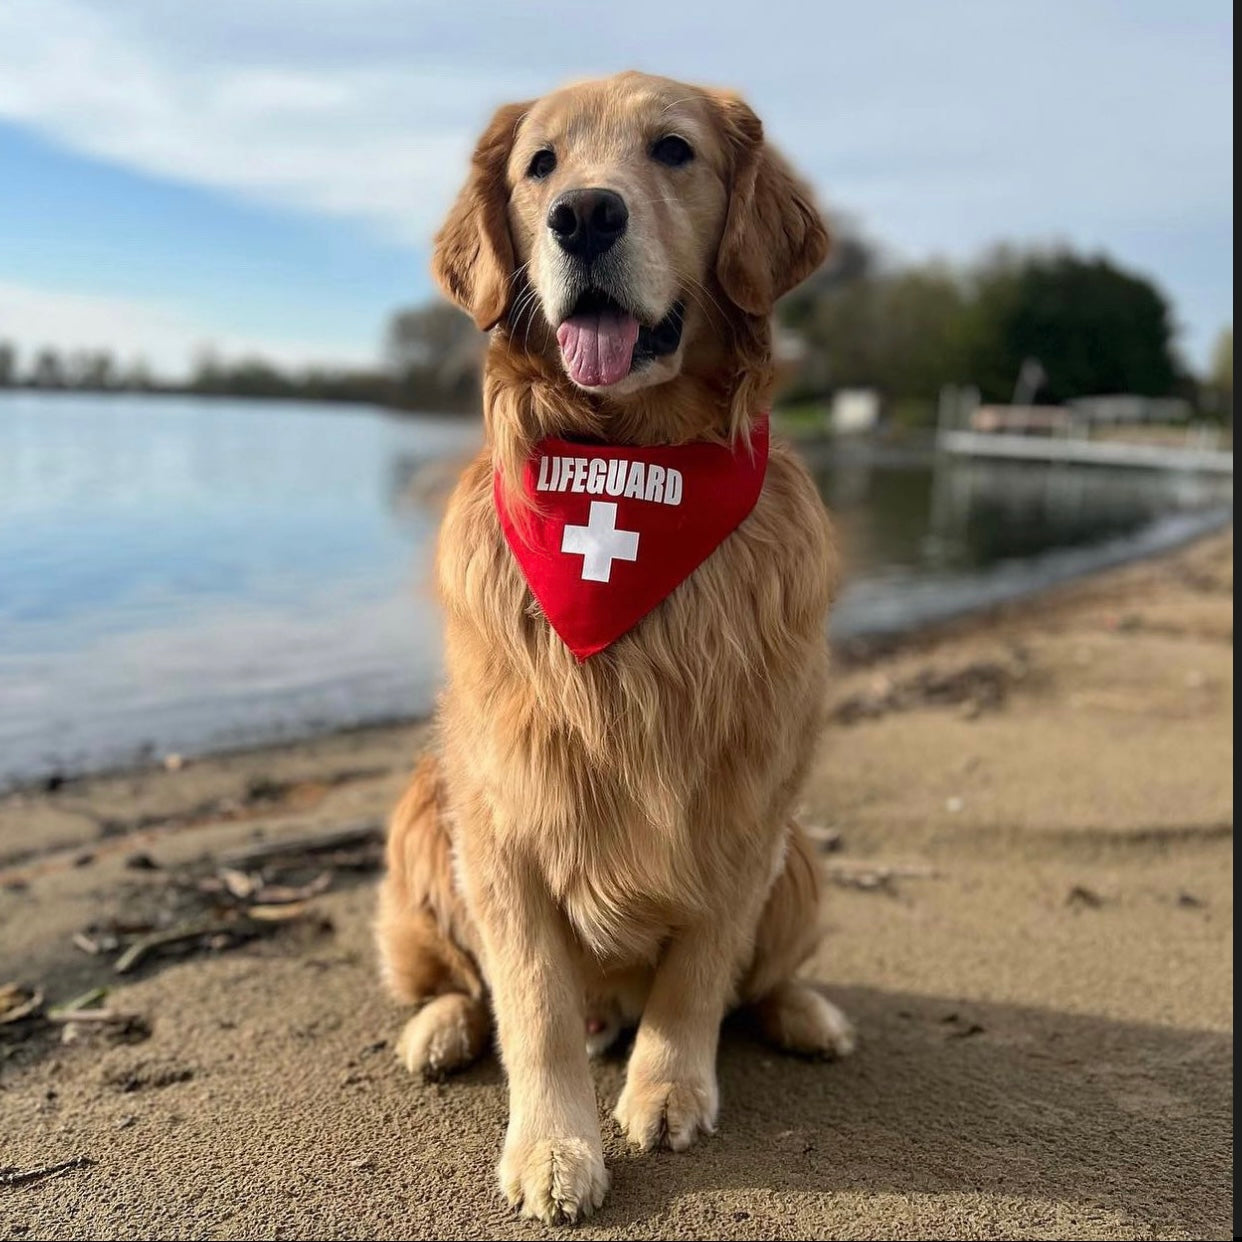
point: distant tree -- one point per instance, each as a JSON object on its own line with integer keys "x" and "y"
{"x": 1217, "y": 389}
{"x": 920, "y": 322}
{"x": 8, "y": 365}
{"x": 136, "y": 377}
{"x": 76, "y": 365}
{"x": 253, "y": 377}
{"x": 93, "y": 370}
{"x": 433, "y": 353}
{"x": 1093, "y": 327}
{"x": 852, "y": 259}
{"x": 207, "y": 374}
{"x": 47, "y": 371}
{"x": 896, "y": 331}
{"x": 1221, "y": 375}
{"x": 424, "y": 336}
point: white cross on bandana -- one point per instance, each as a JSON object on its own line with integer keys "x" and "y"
{"x": 599, "y": 542}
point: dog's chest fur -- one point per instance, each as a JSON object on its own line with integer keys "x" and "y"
{"x": 644, "y": 779}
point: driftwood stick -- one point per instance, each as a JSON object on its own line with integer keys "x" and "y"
{"x": 17, "y": 1177}
{"x": 363, "y": 833}
{"x": 93, "y": 997}
{"x": 66, "y": 1016}
{"x": 144, "y": 944}
{"x": 23, "y": 1009}
{"x": 897, "y": 871}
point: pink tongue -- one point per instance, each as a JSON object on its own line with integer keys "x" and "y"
{"x": 598, "y": 348}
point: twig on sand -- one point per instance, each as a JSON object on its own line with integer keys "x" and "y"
{"x": 82, "y": 1009}
{"x": 144, "y": 944}
{"x": 278, "y": 913}
{"x": 1080, "y": 895}
{"x": 113, "y": 1017}
{"x": 871, "y": 876}
{"x": 78, "y": 1004}
{"x": 282, "y": 894}
{"x": 13, "y": 1008}
{"x": 239, "y": 884}
{"x": 365, "y": 833}
{"x": 23, "y": 1177}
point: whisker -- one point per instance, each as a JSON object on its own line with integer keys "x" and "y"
{"x": 698, "y": 284}
{"x": 515, "y": 315}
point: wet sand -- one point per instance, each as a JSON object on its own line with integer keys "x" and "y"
{"x": 1027, "y": 825}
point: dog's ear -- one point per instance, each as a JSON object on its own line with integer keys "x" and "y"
{"x": 473, "y": 256}
{"x": 774, "y": 236}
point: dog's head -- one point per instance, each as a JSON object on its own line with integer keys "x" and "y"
{"x": 623, "y": 226}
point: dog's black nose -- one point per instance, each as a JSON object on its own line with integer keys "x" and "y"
{"x": 586, "y": 222}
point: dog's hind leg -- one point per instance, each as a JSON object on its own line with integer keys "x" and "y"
{"x": 793, "y": 1015}
{"x": 797, "y": 1018}
{"x": 448, "y": 1033}
{"x": 424, "y": 937}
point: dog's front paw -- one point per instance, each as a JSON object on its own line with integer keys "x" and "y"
{"x": 555, "y": 1180}
{"x": 672, "y": 1114}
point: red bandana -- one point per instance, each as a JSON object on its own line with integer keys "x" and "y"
{"x": 615, "y": 530}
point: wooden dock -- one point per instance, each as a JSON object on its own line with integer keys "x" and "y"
{"x": 1084, "y": 452}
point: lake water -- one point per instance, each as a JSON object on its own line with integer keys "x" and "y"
{"x": 181, "y": 574}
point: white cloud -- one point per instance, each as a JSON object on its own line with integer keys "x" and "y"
{"x": 369, "y": 141}
{"x": 1057, "y": 114}
{"x": 165, "y": 337}
{"x": 942, "y": 127}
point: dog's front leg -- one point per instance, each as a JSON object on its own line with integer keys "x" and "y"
{"x": 553, "y": 1161}
{"x": 670, "y": 1093}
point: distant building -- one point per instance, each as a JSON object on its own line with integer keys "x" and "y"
{"x": 1080, "y": 414}
{"x": 1129, "y": 408}
{"x": 1022, "y": 419}
{"x": 789, "y": 352}
{"x": 854, "y": 410}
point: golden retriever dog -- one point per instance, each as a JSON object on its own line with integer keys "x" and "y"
{"x": 609, "y": 841}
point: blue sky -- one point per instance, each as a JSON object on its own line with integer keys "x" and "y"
{"x": 264, "y": 176}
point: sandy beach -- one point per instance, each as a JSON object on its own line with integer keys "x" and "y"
{"x": 1026, "y": 821}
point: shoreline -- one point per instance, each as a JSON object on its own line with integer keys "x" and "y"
{"x": 1025, "y": 823}
{"x": 989, "y": 594}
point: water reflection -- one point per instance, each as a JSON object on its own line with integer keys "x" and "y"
{"x": 909, "y": 509}
{"x": 984, "y": 512}
{"x": 186, "y": 573}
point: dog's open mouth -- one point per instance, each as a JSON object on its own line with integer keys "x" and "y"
{"x": 602, "y": 342}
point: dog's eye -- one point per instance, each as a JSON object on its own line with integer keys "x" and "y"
{"x": 541, "y": 164}
{"x": 672, "y": 151}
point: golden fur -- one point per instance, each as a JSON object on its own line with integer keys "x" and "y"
{"x": 609, "y": 842}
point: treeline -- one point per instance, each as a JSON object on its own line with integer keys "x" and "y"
{"x": 430, "y": 362}
{"x": 1083, "y": 326}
